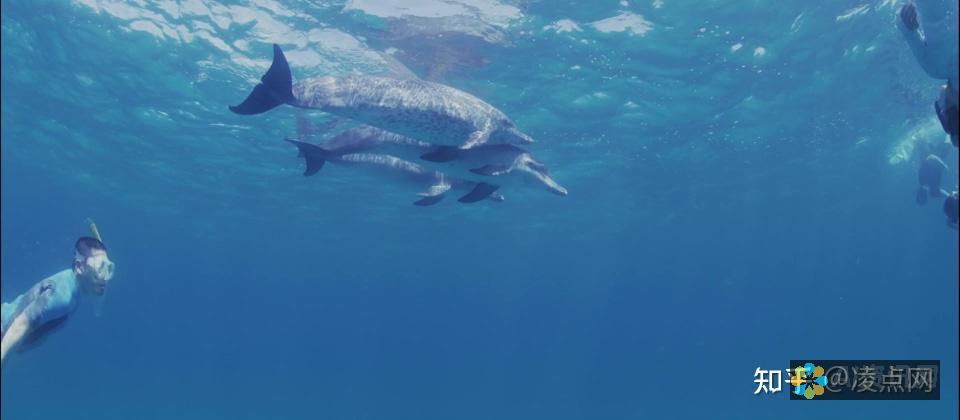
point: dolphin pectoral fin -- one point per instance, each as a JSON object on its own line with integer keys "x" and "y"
{"x": 441, "y": 154}
{"x": 491, "y": 170}
{"x": 434, "y": 194}
{"x": 523, "y": 137}
{"x": 312, "y": 154}
{"x": 478, "y": 137}
{"x": 479, "y": 192}
{"x": 275, "y": 88}
{"x": 429, "y": 200}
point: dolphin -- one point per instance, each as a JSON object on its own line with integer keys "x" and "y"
{"x": 435, "y": 184}
{"x": 415, "y": 108}
{"x": 499, "y": 164}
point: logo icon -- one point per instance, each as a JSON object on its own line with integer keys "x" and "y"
{"x": 808, "y": 380}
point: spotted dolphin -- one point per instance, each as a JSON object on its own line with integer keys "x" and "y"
{"x": 435, "y": 185}
{"x": 499, "y": 164}
{"x": 414, "y": 108}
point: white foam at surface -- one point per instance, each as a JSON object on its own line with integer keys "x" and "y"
{"x": 221, "y": 16}
{"x": 191, "y": 20}
{"x": 194, "y": 7}
{"x": 624, "y": 22}
{"x": 185, "y": 34}
{"x": 170, "y": 7}
{"x": 273, "y": 7}
{"x": 488, "y": 11}
{"x": 202, "y": 26}
{"x": 148, "y": 27}
{"x": 213, "y": 40}
{"x": 563, "y": 25}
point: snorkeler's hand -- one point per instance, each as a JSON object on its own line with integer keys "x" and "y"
{"x": 908, "y": 15}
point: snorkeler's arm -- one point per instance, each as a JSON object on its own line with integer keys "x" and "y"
{"x": 32, "y": 316}
{"x": 18, "y": 328}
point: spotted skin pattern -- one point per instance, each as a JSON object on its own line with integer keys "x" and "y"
{"x": 423, "y": 110}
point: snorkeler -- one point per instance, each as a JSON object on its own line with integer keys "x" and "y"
{"x": 930, "y": 29}
{"x": 951, "y": 209}
{"x": 46, "y": 305}
{"x": 929, "y": 176}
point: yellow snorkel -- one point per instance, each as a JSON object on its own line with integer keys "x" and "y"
{"x": 93, "y": 229}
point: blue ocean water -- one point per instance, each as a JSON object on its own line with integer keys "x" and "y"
{"x": 741, "y": 181}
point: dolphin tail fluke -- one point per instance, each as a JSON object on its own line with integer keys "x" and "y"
{"x": 275, "y": 88}
{"x": 314, "y": 156}
{"x": 479, "y": 192}
{"x": 314, "y": 165}
{"x": 441, "y": 154}
{"x": 429, "y": 200}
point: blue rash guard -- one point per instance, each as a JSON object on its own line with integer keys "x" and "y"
{"x": 47, "y": 305}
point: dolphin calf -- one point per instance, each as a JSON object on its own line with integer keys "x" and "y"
{"x": 499, "y": 164}
{"x": 415, "y": 108}
{"x": 435, "y": 184}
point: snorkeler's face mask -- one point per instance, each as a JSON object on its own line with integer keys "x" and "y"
{"x": 101, "y": 266}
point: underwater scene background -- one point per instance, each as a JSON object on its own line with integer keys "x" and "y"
{"x": 741, "y": 178}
